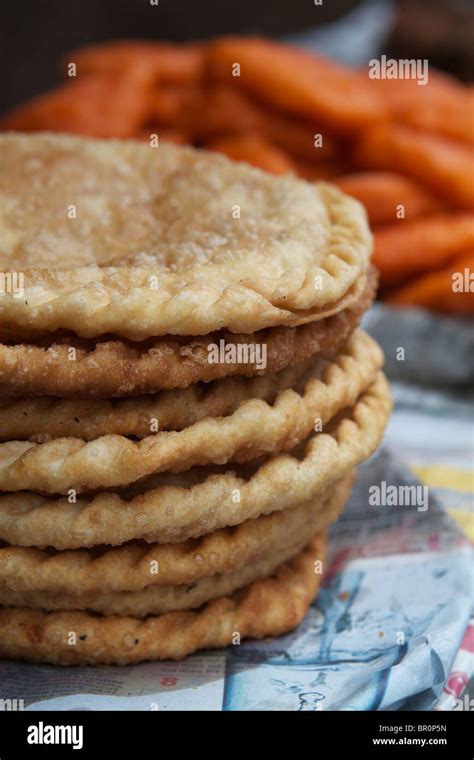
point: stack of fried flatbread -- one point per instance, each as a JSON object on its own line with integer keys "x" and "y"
{"x": 184, "y": 396}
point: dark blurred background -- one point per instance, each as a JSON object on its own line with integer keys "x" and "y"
{"x": 34, "y": 34}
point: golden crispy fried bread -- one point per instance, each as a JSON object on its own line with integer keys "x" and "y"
{"x": 133, "y": 567}
{"x": 153, "y": 600}
{"x": 254, "y": 429}
{"x": 68, "y": 366}
{"x": 190, "y": 504}
{"x": 43, "y": 418}
{"x": 267, "y": 607}
{"x": 139, "y": 241}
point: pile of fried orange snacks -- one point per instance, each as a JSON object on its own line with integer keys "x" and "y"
{"x": 405, "y": 150}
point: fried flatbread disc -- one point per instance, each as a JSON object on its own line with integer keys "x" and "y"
{"x": 44, "y": 418}
{"x": 115, "y": 236}
{"x": 153, "y": 600}
{"x": 254, "y": 429}
{"x": 65, "y": 366}
{"x": 268, "y": 607}
{"x": 135, "y": 567}
{"x": 188, "y": 505}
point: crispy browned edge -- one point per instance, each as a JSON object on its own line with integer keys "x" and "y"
{"x": 268, "y": 607}
{"x": 114, "y": 368}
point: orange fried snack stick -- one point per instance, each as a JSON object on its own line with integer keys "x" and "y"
{"x": 443, "y": 106}
{"x": 256, "y": 151}
{"x": 452, "y": 117}
{"x": 449, "y": 290}
{"x": 296, "y": 81}
{"x": 408, "y": 248}
{"x": 325, "y": 171}
{"x": 300, "y": 138}
{"x": 167, "y": 63}
{"x": 445, "y": 166}
{"x": 99, "y": 106}
{"x": 172, "y": 104}
{"x": 223, "y": 110}
{"x": 388, "y": 196}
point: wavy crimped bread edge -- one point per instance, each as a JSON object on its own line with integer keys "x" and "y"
{"x": 110, "y": 368}
{"x": 170, "y": 512}
{"x": 268, "y": 607}
{"x": 157, "y": 600}
{"x": 133, "y": 567}
{"x": 255, "y": 429}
